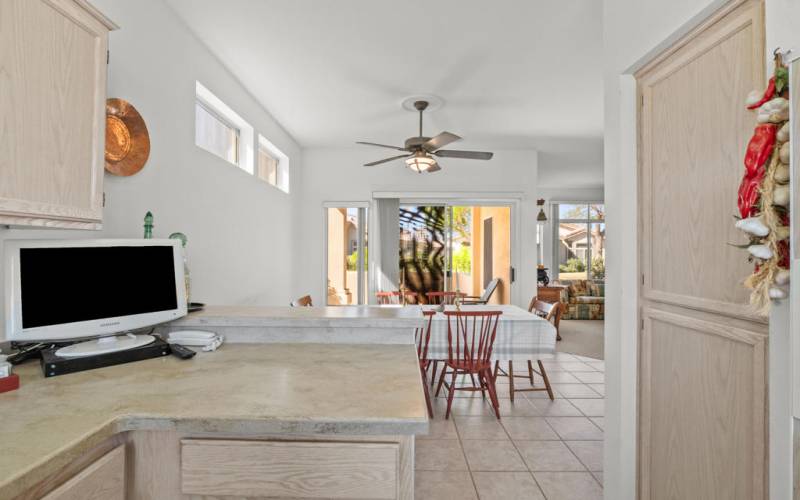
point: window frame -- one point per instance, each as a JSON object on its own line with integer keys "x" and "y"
{"x": 588, "y": 221}
{"x": 282, "y": 178}
{"x": 222, "y": 119}
{"x": 245, "y": 152}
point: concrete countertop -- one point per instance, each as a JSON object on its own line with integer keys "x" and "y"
{"x": 243, "y": 389}
{"x": 298, "y": 317}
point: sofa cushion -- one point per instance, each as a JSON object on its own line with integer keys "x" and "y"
{"x": 577, "y": 288}
{"x": 588, "y": 299}
{"x": 597, "y": 289}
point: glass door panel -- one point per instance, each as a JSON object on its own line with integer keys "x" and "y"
{"x": 423, "y": 249}
{"x": 346, "y": 255}
{"x": 573, "y": 250}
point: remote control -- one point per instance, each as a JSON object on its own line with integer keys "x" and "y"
{"x": 181, "y": 351}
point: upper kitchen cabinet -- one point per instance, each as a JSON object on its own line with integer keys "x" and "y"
{"x": 53, "y": 60}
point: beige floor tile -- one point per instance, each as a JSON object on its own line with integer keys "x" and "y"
{"x": 590, "y": 407}
{"x": 597, "y": 365}
{"x": 599, "y": 477}
{"x": 481, "y": 427}
{"x": 553, "y": 456}
{"x": 521, "y": 407}
{"x": 598, "y": 388}
{"x": 574, "y": 428}
{"x": 440, "y": 429}
{"x": 542, "y": 394}
{"x": 590, "y": 377}
{"x": 461, "y": 406}
{"x": 430, "y": 485}
{"x": 569, "y": 485}
{"x": 599, "y": 421}
{"x": 575, "y": 366}
{"x": 565, "y": 377}
{"x": 557, "y": 408}
{"x": 528, "y": 428}
{"x": 575, "y": 391}
{"x": 493, "y": 456}
{"x": 590, "y": 453}
{"x": 506, "y": 486}
{"x": 586, "y": 359}
{"x": 439, "y": 455}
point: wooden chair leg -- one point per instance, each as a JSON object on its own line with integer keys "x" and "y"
{"x": 427, "y": 394}
{"x": 530, "y": 371}
{"x": 450, "y": 393}
{"x": 433, "y": 375}
{"x": 546, "y": 380}
{"x": 511, "y": 379}
{"x": 496, "y": 368}
{"x": 487, "y": 374}
{"x": 441, "y": 381}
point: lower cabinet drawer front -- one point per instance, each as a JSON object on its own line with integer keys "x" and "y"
{"x": 102, "y": 480}
{"x": 295, "y": 469}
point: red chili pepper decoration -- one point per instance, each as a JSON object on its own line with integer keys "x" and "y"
{"x": 760, "y": 148}
{"x": 768, "y": 94}
{"x": 759, "y": 151}
{"x": 748, "y": 195}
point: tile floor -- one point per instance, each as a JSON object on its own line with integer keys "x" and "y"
{"x": 540, "y": 449}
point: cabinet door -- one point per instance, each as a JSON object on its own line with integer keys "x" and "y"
{"x": 102, "y": 480}
{"x": 702, "y": 352}
{"x": 52, "y": 124}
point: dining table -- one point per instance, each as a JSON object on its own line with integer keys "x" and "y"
{"x": 520, "y": 335}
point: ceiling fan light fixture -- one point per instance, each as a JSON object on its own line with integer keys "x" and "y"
{"x": 420, "y": 162}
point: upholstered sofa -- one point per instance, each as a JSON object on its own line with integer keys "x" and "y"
{"x": 582, "y": 299}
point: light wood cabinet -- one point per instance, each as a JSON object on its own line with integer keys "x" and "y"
{"x": 102, "y": 480}
{"x": 53, "y": 60}
{"x": 290, "y": 469}
{"x": 702, "y": 372}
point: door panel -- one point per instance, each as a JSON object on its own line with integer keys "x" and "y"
{"x": 702, "y": 409}
{"x": 702, "y": 352}
{"x": 694, "y": 129}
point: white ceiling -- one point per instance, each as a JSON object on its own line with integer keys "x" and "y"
{"x": 512, "y": 73}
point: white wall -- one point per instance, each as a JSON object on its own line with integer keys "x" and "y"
{"x": 632, "y": 30}
{"x": 338, "y": 175}
{"x": 239, "y": 228}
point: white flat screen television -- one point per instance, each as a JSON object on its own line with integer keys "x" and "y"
{"x": 73, "y": 289}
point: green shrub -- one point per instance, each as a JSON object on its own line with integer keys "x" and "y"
{"x": 573, "y": 265}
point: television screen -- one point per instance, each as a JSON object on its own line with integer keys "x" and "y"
{"x": 72, "y": 284}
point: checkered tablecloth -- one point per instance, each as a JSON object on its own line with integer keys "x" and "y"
{"x": 520, "y": 335}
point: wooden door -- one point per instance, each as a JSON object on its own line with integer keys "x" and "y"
{"x": 702, "y": 353}
{"x": 52, "y": 125}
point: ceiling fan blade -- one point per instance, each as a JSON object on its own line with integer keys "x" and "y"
{"x": 469, "y": 155}
{"x": 439, "y": 141}
{"x": 385, "y": 160}
{"x": 381, "y": 145}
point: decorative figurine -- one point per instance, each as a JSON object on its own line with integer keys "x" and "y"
{"x": 148, "y": 225}
{"x": 186, "y": 280}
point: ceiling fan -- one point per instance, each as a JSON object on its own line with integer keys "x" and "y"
{"x": 419, "y": 151}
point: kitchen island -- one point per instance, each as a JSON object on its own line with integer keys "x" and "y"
{"x": 337, "y": 324}
{"x": 301, "y": 420}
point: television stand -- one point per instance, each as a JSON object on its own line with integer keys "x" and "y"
{"x": 105, "y": 345}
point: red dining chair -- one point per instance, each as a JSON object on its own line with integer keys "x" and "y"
{"x": 393, "y": 298}
{"x": 440, "y": 298}
{"x": 447, "y": 298}
{"x": 469, "y": 352}
{"x": 422, "y": 336}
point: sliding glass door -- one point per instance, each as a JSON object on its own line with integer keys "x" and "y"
{"x": 456, "y": 248}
